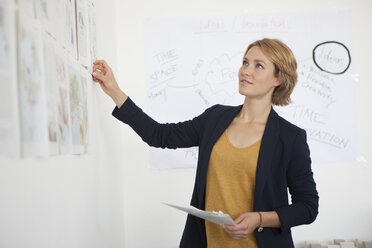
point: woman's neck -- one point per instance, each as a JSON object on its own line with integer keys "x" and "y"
{"x": 255, "y": 111}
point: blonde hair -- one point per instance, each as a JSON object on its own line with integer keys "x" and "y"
{"x": 285, "y": 68}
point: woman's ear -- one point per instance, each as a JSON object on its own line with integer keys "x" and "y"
{"x": 278, "y": 81}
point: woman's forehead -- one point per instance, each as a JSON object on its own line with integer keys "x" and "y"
{"x": 256, "y": 53}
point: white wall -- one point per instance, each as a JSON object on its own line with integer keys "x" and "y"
{"x": 345, "y": 205}
{"x": 70, "y": 201}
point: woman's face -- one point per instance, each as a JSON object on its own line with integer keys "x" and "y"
{"x": 256, "y": 75}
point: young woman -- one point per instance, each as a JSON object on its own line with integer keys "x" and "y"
{"x": 249, "y": 156}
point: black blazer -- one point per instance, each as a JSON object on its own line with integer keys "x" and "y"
{"x": 283, "y": 162}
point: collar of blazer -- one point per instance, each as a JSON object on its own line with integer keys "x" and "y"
{"x": 268, "y": 143}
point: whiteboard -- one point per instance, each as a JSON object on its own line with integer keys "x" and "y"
{"x": 192, "y": 63}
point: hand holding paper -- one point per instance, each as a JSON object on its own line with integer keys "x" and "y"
{"x": 215, "y": 217}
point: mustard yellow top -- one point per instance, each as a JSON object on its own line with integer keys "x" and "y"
{"x": 230, "y": 186}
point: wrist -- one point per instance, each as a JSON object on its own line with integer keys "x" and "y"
{"x": 114, "y": 92}
{"x": 119, "y": 97}
{"x": 259, "y": 226}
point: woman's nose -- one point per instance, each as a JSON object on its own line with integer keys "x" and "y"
{"x": 247, "y": 70}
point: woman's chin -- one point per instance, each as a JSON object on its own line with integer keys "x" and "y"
{"x": 244, "y": 92}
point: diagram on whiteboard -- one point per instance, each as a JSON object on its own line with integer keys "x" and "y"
{"x": 193, "y": 63}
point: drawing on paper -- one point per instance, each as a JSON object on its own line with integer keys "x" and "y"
{"x": 78, "y": 123}
{"x": 5, "y": 112}
{"x": 9, "y": 126}
{"x": 84, "y": 109}
{"x": 63, "y": 105}
{"x": 70, "y": 26}
{"x": 44, "y": 13}
{"x": 82, "y": 26}
{"x": 4, "y": 40}
{"x": 50, "y": 90}
{"x": 92, "y": 32}
{"x": 42, "y": 9}
{"x": 30, "y": 80}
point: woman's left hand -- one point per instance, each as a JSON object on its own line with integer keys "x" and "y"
{"x": 245, "y": 225}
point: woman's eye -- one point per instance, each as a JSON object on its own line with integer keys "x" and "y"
{"x": 245, "y": 62}
{"x": 259, "y": 66}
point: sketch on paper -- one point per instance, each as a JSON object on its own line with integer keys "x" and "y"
{"x": 92, "y": 32}
{"x": 58, "y": 9}
{"x": 32, "y": 103}
{"x": 82, "y": 31}
{"x": 78, "y": 110}
{"x": 84, "y": 107}
{"x": 63, "y": 104}
{"x": 42, "y": 10}
{"x": 70, "y": 27}
{"x": 51, "y": 94}
{"x": 4, "y": 39}
{"x": 9, "y": 126}
{"x": 45, "y": 11}
{"x": 5, "y": 111}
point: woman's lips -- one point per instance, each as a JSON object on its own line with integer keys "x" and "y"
{"x": 245, "y": 82}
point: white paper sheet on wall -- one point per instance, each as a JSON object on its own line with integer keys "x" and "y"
{"x": 91, "y": 16}
{"x": 193, "y": 63}
{"x": 83, "y": 32}
{"x": 50, "y": 93}
{"x": 9, "y": 121}
{"x": 44, "y": 96}
{"x": 85, "y": 79}
{"x": 63, "y": 102}
{"x": 46, "y": 13}
{"x": 77, "y": 108}
{"x": 69, "y": 27}
{"x": 27, "y": 8}
{"x": 31, "y": 88}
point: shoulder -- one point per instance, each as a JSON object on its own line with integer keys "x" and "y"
{"x": 218, "y": 113}
{"x": 289, "y": 130}
{"x": 219, "y": 109}
{"x": 293, "y": 139}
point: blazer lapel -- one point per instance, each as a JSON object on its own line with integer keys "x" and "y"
{"x": 223, "y": 123}
{"x": 268, "y": 144}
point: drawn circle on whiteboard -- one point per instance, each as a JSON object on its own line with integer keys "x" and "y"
{"x": 332, "y": 57}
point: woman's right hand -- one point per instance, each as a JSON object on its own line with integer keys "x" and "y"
{"x": 102, "y": 74}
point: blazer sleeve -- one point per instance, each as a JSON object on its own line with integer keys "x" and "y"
{"x": 302, "y": 187}
{"x": 168, "y": 135}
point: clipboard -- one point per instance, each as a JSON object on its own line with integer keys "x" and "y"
{"x": 212, "y": 216}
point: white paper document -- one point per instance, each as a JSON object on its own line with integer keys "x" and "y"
{"x": 215, "y": 217}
